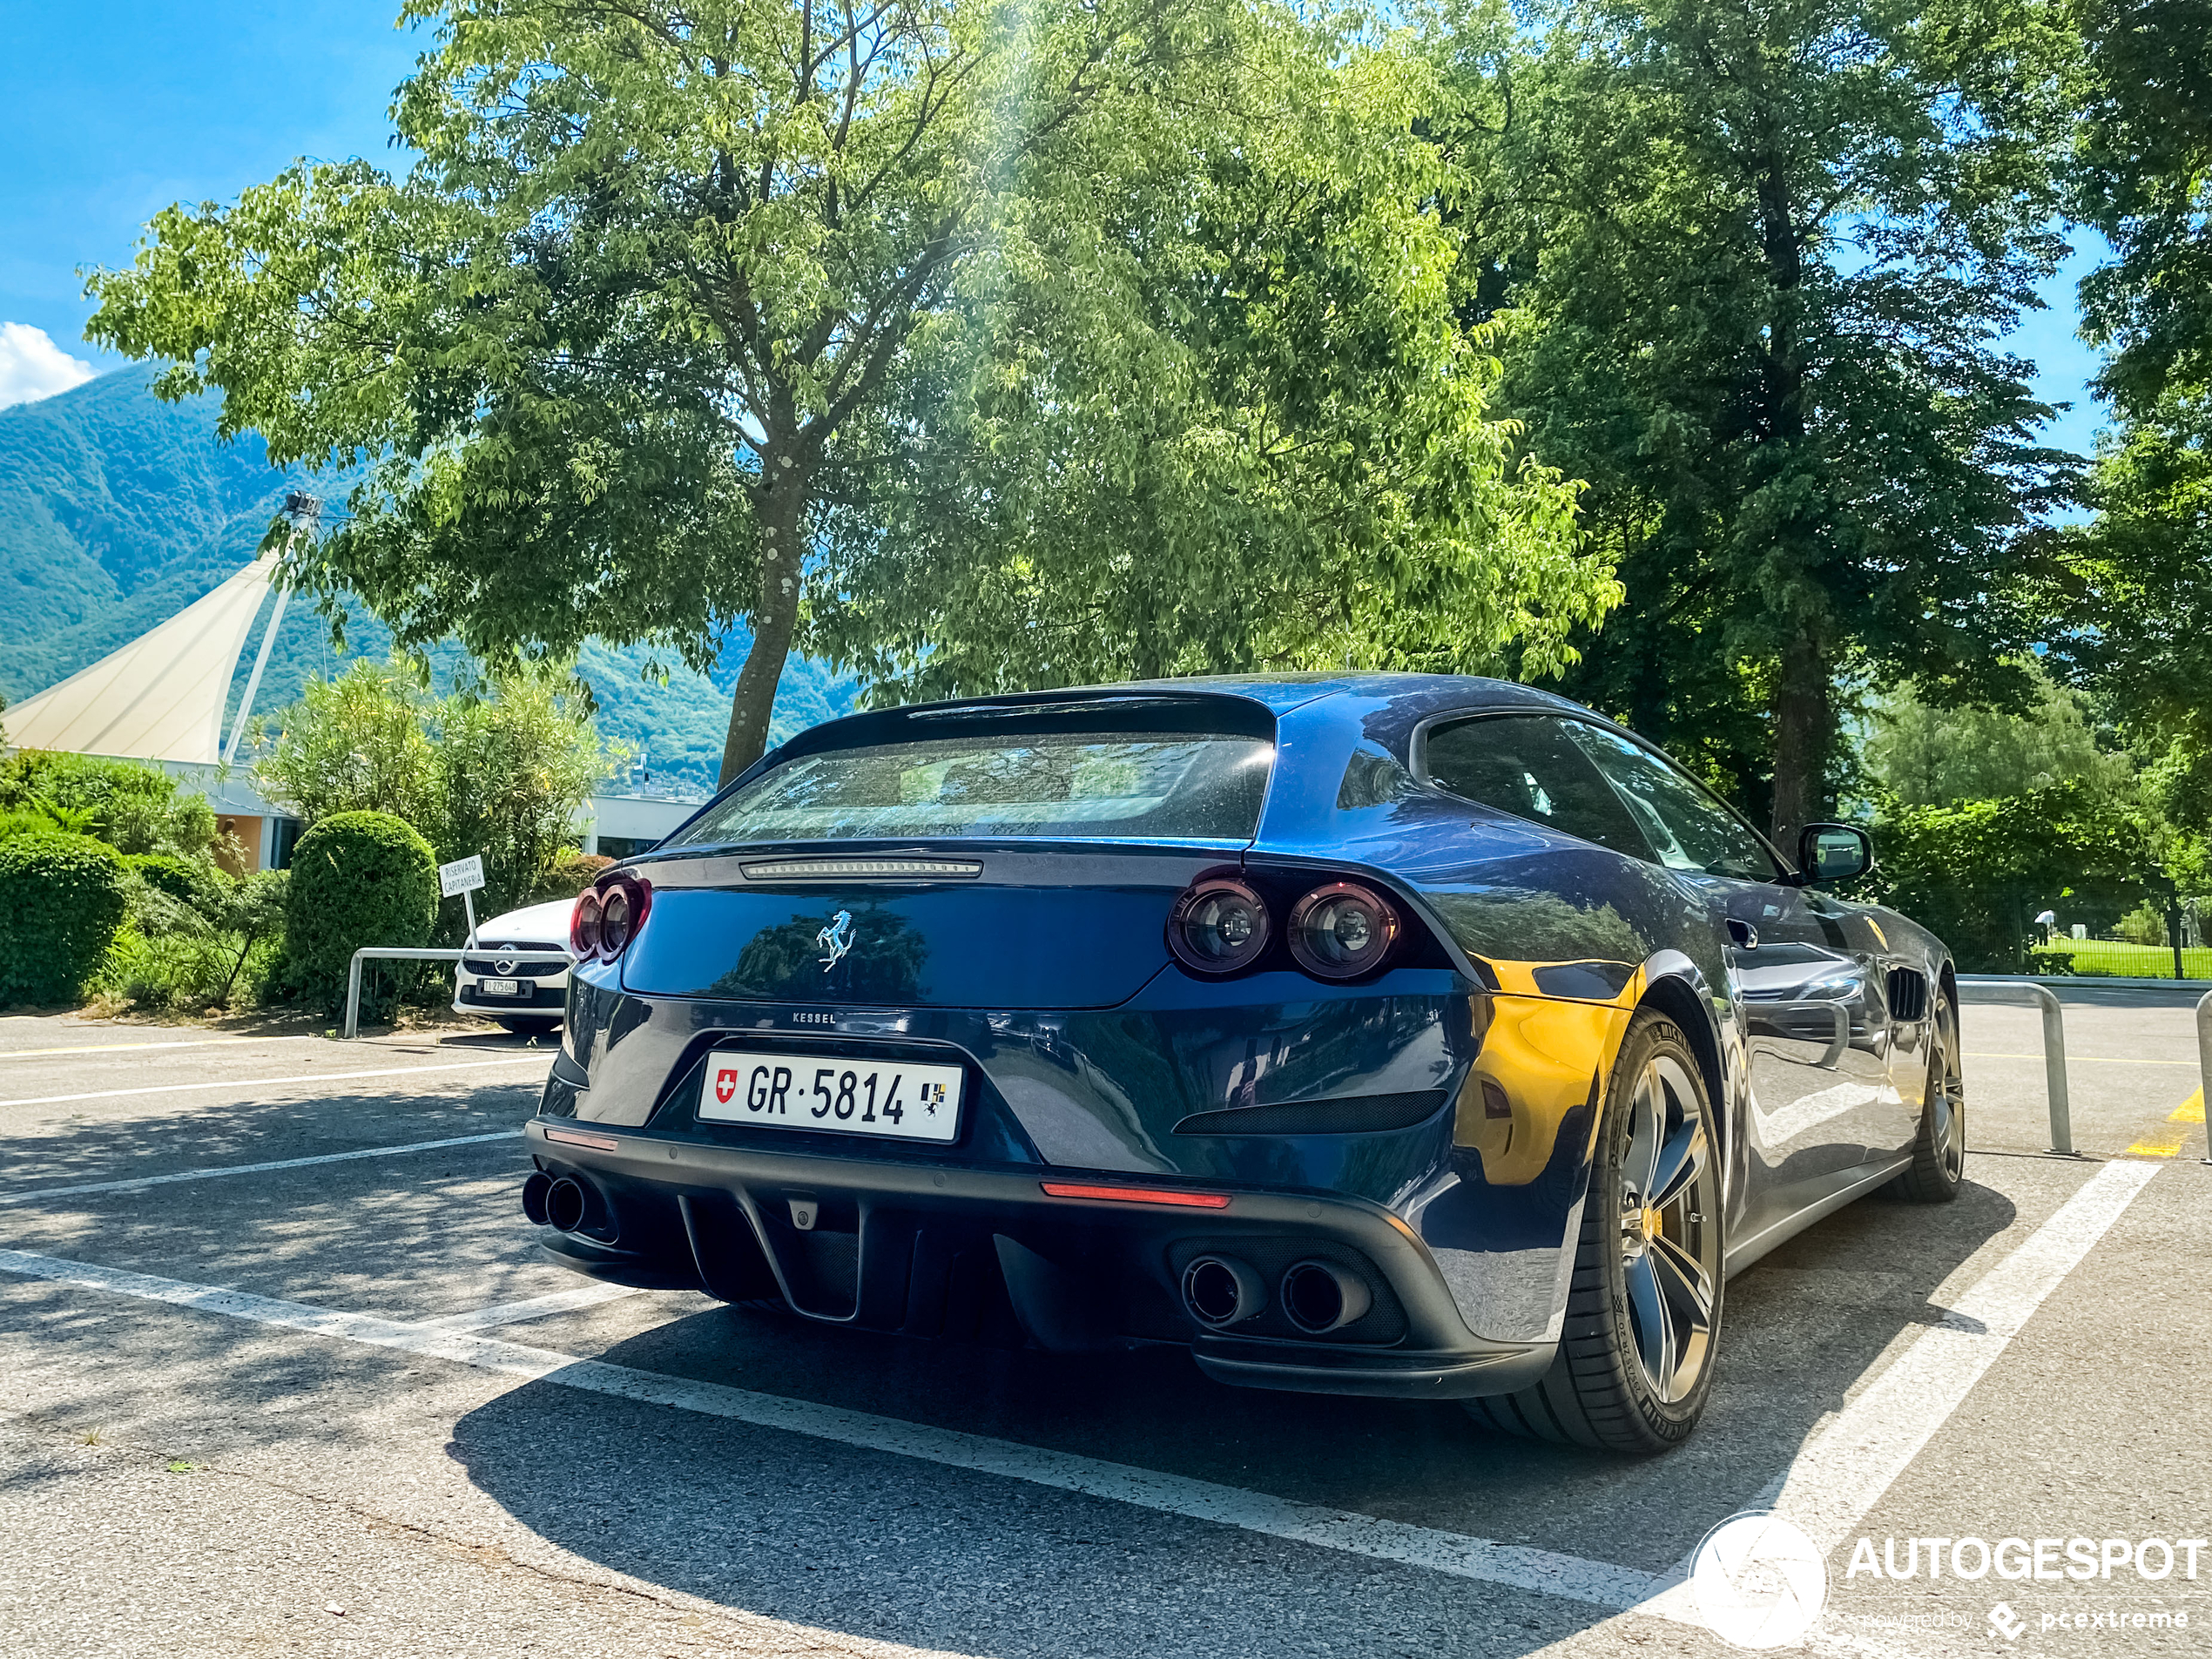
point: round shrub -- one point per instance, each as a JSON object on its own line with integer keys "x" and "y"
{"x": 357, "y": 879}
{"x": 61, "y": 900}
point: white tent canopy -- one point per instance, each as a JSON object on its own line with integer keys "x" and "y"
{"x": 159, "y": 697}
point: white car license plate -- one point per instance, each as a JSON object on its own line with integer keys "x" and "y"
{"x": 500, "y": 987}
{"x": 893, "y": 1099}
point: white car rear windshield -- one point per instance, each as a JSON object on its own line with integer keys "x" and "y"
{"x": 1167, "y": 785}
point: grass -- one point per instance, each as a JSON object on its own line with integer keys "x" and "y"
{"x": 2091, "y": 957}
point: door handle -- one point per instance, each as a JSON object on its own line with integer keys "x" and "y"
{"x": 1742, "y": 934}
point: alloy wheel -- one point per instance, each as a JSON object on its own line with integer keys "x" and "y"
{"x": 1948, "y": 1130}
{"x": 1670, "y": 1230}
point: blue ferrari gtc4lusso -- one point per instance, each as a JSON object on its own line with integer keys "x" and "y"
{"x": 1402, "y": 1035}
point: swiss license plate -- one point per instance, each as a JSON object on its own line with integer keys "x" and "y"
{"x": 892, "y": 1099}
{"x": 500, "y": 987}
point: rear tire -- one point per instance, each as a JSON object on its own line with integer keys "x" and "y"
{"x": 1637, "y": 1351}
{"x": 1938, "y": 1167}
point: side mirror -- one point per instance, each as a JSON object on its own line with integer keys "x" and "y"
{"x": 1832, "y": 853}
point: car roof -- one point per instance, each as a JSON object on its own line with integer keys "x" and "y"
{"x": 1384, "y": 707}
{"x": 1283, "y": 692}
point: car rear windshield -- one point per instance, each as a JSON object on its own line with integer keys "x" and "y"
{"x": 1156, "y": 785}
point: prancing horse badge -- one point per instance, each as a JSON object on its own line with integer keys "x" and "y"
{"x": 836, "y": 939}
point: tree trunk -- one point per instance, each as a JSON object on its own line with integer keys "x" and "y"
{"x": 775, "y": 617}
{"x": 1803, "y": 726}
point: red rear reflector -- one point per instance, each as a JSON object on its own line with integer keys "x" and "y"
{"x": 1139, "y": 1195}
{"x": 597, "y": 1143}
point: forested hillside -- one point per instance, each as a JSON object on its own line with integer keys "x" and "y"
{"x": 117, "y": 509}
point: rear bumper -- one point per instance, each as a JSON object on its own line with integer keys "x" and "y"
{"x": 930, "y": 1249}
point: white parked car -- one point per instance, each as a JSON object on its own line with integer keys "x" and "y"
{"x": 523, "y": 996}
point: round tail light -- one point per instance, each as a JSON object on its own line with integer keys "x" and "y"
{"x": 1217, "y": 927}
{"x": 608, "y": 916}
{"x": 1342, "y": 931}
{"x": 615, "y": 920}
{"x": 583, "y": 925}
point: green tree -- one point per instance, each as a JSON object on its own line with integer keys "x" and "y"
{"x": 2135, "y": 596}
{"x": 1759, "y": 253}
{"x": 359, "y": 743}
{"x": 515, "y": 762}
{"x": 1923, "y": 754}
{"x": 2142, "y": 157}
{"x": 605, "y": 337}
{"x": 1282, "y": 455}
{"x": 1978, "y": 871}
{"x": 499, "y": 769}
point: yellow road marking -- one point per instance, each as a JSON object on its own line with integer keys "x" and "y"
{"x": 2165, "y": 1143}
{"x": 2091, "y": 1059}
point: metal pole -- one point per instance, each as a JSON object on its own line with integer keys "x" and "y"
{"x": 2055, "y": 1073}
{"x": 354, "y": 996}
{"x": 2204, "y": 1065}
{"x": 468, "y": 904}
{"x": 2039, "y": 997}
{"x": 253, "y": 680}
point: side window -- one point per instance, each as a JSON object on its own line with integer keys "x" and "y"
{"x": 1525, "y": 764}
{"x": 1688, "y": 828}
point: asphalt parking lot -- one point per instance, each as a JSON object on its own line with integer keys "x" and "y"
{"x": 284, "y": 1374}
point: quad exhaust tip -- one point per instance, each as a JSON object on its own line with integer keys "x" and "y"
{"x": 1220, "y": 1291}
{"x": 567, "y": 1203}
{"x": 560, "y": 1202}
{"x": 1319, "y": 1297}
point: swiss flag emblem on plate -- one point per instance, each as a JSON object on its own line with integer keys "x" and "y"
{"x": 726, "y": 1084}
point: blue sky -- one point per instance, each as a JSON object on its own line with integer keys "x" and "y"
{"x": 116, "y": 110}
{"x": 113, "y": 110}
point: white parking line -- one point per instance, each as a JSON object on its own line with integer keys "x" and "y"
{"x": 1512, "y": 1565}
{"x": 138, "y": 1182}
{"x": 537, "y": 1307}
{"x": 544, "y": 1057}
{"x": 1845, "y": 1468}
{"x": 132, "y": 1048}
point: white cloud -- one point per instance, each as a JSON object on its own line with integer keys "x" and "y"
{"x": 32, "y": 366}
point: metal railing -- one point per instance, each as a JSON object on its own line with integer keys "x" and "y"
{"x": 2029, "y": 995}
{"x": 2204, "y": 1066}
{"x": 426, "y": 955}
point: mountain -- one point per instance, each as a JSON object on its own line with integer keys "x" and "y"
{"x": 117, "y": 509}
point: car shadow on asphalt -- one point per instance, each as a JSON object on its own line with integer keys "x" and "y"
{"x": 744, "y": 1516}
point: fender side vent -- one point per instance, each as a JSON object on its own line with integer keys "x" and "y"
{"x": 1908, "y": 990}
{"x": 1347, "y": 1115}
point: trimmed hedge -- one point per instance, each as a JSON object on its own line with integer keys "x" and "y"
{"x": 62, "y": 901}
{"x": 570, "y": 874}
{"x": 200, "y": 886}
{"x": 357, "y": 879}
